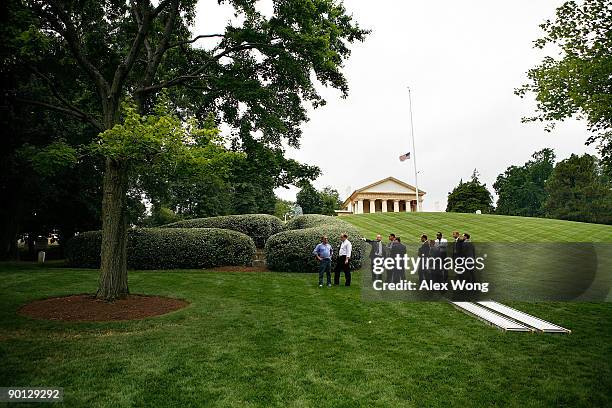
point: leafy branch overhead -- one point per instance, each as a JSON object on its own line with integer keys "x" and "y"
{"x": 258, "y": 72}
{"x": 579, "y": 81}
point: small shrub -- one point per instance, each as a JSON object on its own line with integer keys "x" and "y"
{"x": 176, "y": 248}
{"x": 291, "y": 250}
{"x": 257, "y": 226}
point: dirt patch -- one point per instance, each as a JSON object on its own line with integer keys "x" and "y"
{"x": 87, "y": 308}
{"x": 241, "y": 269}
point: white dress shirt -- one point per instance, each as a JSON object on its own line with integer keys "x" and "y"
{"x": 442, "y": 243}
{"x": 345, "y": 248}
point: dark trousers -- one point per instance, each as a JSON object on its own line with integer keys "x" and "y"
{"x": 376, "y": 277}
{"x": 342, "y": 266}
{"x": 400, "y": 275}
{"x": 325, "y": 266}
{"x": 444, "y": 275}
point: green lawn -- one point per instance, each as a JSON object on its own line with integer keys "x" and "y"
{"x": 262, "y": 339}
{"x": 484, "y": 228}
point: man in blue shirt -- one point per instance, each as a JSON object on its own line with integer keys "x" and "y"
{"x": 323, "y": 252}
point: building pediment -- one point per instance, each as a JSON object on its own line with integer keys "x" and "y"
{"x": 382, "y": 195}
{"x": 388, "y": 185}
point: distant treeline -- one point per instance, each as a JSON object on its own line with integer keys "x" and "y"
{"x": 578, "y": 188}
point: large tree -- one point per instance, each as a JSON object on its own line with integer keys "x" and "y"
{"x": 578, "y": 191}
{"x": 331, "y": 201}
{"x": 521, "y": 189}
{"x": 470, "y": 197}
{"x": 309, "y": 199}
{"x": 257, "y": 75}
{"x": 578, "y": 82}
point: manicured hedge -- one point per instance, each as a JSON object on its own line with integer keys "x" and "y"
{"x": 291, "y": 250}
{"x": 168, "y": 248}
{"x": 257, "y": 226}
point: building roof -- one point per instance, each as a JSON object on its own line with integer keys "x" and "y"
{"x": 390, "y": 178}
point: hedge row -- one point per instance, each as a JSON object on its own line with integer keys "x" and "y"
{"x": 291, "y": 250}
{"x": 158, "y": 248}
{"x": 257, "y": 226}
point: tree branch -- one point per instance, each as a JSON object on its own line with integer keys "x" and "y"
{"x": 125, "y": 66}
{"x": 77, "y": 114}
{"x": 197, "y": 73}
{"x": 82, "y": 114}
{"x": 71, "y": 37}
{"x": 162, "y": 47}
{"x": 160, "y": 7}
{"x": 177, "y": 44}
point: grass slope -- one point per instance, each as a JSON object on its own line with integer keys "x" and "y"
{"x": 272, "y": 339}
{"x": 483, "y": 228}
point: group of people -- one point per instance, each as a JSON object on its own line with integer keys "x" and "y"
{"x": 324, "y": 252}
{"x": 430, "y": 249}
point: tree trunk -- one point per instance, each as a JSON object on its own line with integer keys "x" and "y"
{"x": 113, "y": 282}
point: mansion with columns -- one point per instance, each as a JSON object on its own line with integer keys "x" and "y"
{"x": 386, "y": 195}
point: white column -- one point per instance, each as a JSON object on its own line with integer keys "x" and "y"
{"x": 359, "y": 206}
{"x": 395, "y": 205}
{"x": 408, "y": 208}
{"x": 384, "y": 205}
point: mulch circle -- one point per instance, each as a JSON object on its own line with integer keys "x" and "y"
{"x": 86, "y": 308}
{"x": 240, "y": 269}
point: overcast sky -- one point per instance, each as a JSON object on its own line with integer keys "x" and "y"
{"x": 462, "y": 61}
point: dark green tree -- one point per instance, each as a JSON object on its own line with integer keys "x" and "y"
{"x": 521, "y": 188}
{"x": 470, "y": 197}
{"x": 44, "y": 185}
{"x": 261, "y": 170}
{"x": 330, "y": 201}
{"x": 578, "y": 191}
{"x": 578, "y": 82}
{"x": 257, "y": 74}
{"x": 309, "y": 199}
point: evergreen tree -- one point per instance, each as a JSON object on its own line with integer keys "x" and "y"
{"x": 470, "y": 197}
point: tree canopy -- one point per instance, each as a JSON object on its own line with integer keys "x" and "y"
{"x": 521, "y": 189}
{"x": 578, "y": 191}
{"x": 578, "y": 82}
{"x": 470, "y": 197}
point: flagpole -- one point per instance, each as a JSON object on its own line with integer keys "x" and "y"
{"x": 416, "y": 180}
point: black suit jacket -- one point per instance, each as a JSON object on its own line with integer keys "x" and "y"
{"x": 399, "y": 249}
{"x": 458, "y": 249}
{"x": 374, "y": 243}
{"x": 424, "y": 249}
{"x": 468, "y": 250}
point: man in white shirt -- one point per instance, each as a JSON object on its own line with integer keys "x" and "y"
{"x": 344, "y": 259}
{"x": 442, "y": 245}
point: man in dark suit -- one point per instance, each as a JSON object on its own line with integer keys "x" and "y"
{"x": 434, "y": 267}
{"x": 377, "y": 251}
{"x": 398, "y": 249}
{"x": 423, "y": 253}
{"x": 468, "y": 252}
{"x": 456, "y": 245}
{"x": 390, "y": 253}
